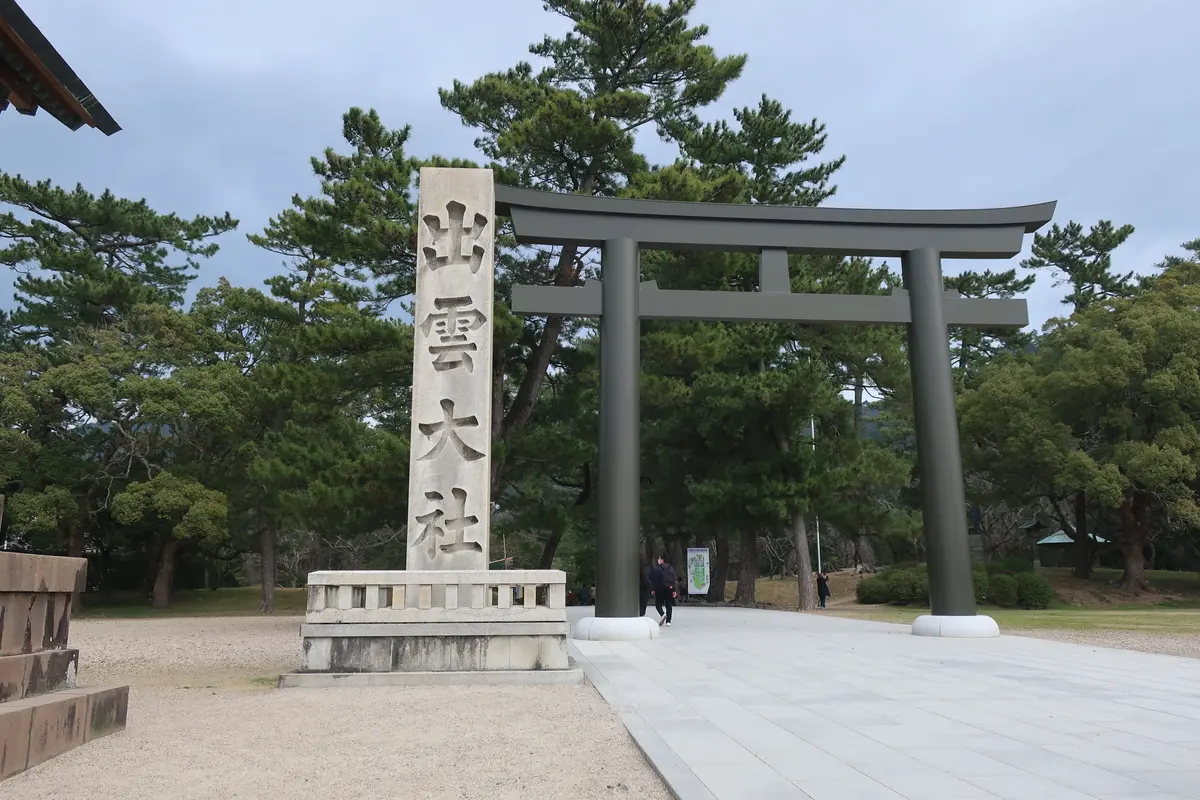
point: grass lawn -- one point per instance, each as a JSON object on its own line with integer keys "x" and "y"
{"x": 1149, "y": 620}
{"x": 1167, "y": 589}
{"x": 237, "y": 602}
{"x": 1096, "y": 604}
{"x": 784, "y": 593}
{"x": 1160, "y": 579}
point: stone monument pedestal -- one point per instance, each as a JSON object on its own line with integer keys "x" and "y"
{"x": 399, "y": 627}
{"x": 42, "y": 712}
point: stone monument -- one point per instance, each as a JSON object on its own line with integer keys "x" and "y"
{"x": 447, "y": 618}
{"x": 449, "y": 482}
{"x": 42, "y": 712}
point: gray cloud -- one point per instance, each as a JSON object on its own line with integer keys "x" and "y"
{"x": 937, "y": 103}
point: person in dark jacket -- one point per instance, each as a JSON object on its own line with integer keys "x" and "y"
{"x": 822, "y": 587}
{"x": 664, "y": 591}
{"x": 645, "y": 588}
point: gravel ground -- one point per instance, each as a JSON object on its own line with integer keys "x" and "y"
{"x": 1171, "y": 644}
{"x": 205, "y": 723}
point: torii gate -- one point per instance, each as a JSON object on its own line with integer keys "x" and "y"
{"x": 622, "y": 227}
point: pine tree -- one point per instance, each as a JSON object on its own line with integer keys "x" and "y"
{"x": 330, "y": 358}
{"x": 87, "y": 261}
{"x": 625, "y": 65}
{"x": 978, "y": 346}
{"x": 1083, "y": 261}
{"x": 86, "y": 265}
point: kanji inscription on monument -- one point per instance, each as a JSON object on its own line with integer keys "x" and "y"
{"x": 449, "y": 488}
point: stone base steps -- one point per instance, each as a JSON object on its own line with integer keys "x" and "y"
{"x": 31, "y": 674}
{"x": 524, "y": 677}
{"x": 36, "y": 729}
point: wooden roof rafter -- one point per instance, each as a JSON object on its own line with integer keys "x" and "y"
{"x": 34, "y": 76}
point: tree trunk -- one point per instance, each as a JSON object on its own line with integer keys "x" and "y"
{"x": 804, "y": 575}
{"x": 747, "y": 568}
{"x": 1133, "y": 577}
{"x": 860, "y": 386}
{"x": 153, "y": 554}
{"x": 75, "y": 541}
{"x": 499, "y": 365}
{"x": 679, "y": 556}
{"x": 165, "y": 573}
{"x": 525, "y": 400}
{"x": 566, "y": 273}
{"x": 1084, "y": 548}
{"x": 864, "y": 551}
{"x": 2, "y": 511}
{"x": 964, "y": 350}
{"x": 804, "y": 571}
{"x": 318, "y": 553}
{"x": 719, "y": 569}
{"x": 1133, "y": 543}
{"x": 266, "y": 541}
{"x": 549, "y": 548}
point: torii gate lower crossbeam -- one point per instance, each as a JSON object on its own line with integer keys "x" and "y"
{"x": 921, "y": 239}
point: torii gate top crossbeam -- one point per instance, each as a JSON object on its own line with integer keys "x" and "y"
{"x": 564, "y": 219}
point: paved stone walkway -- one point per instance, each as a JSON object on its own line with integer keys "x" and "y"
{"x": 740, "y": 704}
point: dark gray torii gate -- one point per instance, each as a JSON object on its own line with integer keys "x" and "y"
{"x": 919, "y": 238}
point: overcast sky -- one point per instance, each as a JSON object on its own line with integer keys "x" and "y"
{"x": 936, "y": 103}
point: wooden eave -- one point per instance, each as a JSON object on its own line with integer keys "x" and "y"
{"x": 34, "y": 76}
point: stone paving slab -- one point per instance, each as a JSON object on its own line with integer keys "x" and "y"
{"x": 745, "y": 704}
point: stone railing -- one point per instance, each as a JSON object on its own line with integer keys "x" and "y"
{"x": 42, "y": 712}
{"x": 395, "y": 621}
{"x": 437, "y": 596}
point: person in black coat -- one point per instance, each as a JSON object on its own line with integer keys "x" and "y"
{"x": 822, "y": 587}
{"x": 664, "y": 579}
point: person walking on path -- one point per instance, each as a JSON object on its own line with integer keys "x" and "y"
{"x": 645, "y": 588}
{"x": 664, "y": 591}
{"x": 822, "y": 587}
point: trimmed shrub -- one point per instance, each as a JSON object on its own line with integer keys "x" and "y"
{"x": 872, "y": 591}
{"x": 1034, "y": 591}
{"x": 1010, "y": 565}
{"x": 979, "y": 578}
{"x": 1002, "y": 590}
{"x": 908, "y": 586}
{"x": 1017, "y": 565}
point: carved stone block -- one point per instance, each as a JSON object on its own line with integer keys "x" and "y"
{"x": 450, "y": 463}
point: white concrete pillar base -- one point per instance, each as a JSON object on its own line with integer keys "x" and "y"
{"x": 979, "y": 626}
{"x": 616, "y": 629}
